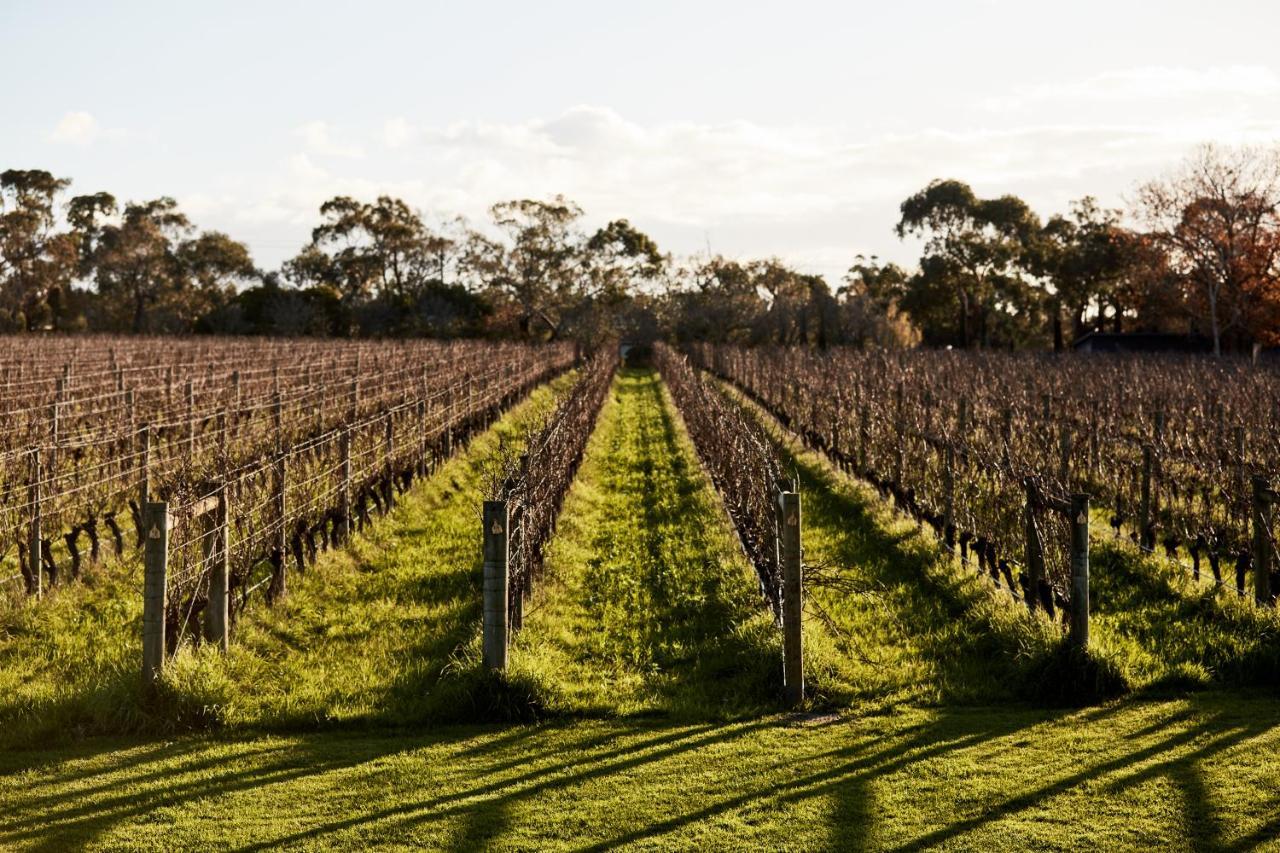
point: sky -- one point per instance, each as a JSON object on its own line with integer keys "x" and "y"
{"x": 748, "y": 129}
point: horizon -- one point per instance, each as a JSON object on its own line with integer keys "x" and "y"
{"x": 805, "y": 156}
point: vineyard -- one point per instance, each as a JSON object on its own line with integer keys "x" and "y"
{"x": 296, "y": 535}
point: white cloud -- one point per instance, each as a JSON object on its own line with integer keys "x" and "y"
{"x": 75, "y": 128}
{"x": 318, "y": 140}
{"x": 1136, "y": 85}
{"x": 814, "y": 195}
{"x": 396, "y": 132}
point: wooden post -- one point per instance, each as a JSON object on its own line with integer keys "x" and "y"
{"x": 1261, "y": 540}
{"x": 277, "y": 420}
{"x": 344, "y": 489}
{"x": 949, "y": 497}
{"x": 35, "y": 583}
{"x": 155, "y": 521}
{"x": 422, "y": 437}
{"x": 1079, "y": 635}
{"x": 1064, "y": 457}
{"x": 144, "y": 465}
{"x": 190, "y": 392}
{"x": 864, "y": 437}
{"x": 1033, "y": 546}
{"x": 217, "y": 554}
{"x": 792, "y": 598}
{"x": 1146, "y": 542}
{"x": 1237, "y": 440}
{"x": 279, "y": 584}
{"x": 389, "y": 442}
{"x": 496, "y": 581}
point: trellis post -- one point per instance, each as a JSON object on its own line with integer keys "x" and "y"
{"x": 1034, "y": 546}
{"x": 792, "y": 597}
{"x": 344, "y": 489}
{"x": 35, "y": 583}
{"x": 191, "y": 417}
{"x": 1079, "y": 635}
{"x": 1145, "y": 541}
{"x": 217, "y": 554}
{"x": 1262, "y": 496}
{"x": 155, "y": 523}
{"x": 496, "y": 583}
{"x": 389, "y": 444}
{"x": 949, "y": 497}
{"x": 279, "y": 584}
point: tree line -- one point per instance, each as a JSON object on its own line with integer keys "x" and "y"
{"x": 1197, "y": 252}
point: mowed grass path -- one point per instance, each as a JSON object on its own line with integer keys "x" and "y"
{"x": 385, "y": 637}
{"x": 648, "y": 604}
{"x": 364, "y": 635}
{"x": 1179, "y": 775}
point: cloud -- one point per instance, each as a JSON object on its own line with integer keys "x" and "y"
{"x": 1136, "y": 85}
{"x": 75, "y": 128}
{"x": 809, "y": 194}
{"x": 317, "y": 139}
{"x": 396, "y": 132}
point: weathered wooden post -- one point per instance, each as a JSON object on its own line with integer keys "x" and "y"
{"x": 864, "y": 437}
{"x": 344, "y": 488}
{"x": 496, "y": 583}
{"x": 277, "y": 420}
{"x": 279, "y": 584}
{"x": 792, "y": 597}
{"x": 1262, "y": 495}
{"x": 389, "y": 468}
{"x": 422, "y": 437}
{"x": 144, "y": 465}
{"x": 1079, "y": 635}
{"x": 1033, "y": 545}
{"x": 35, "y": 582}
{"x": 190, "y": 392}
{"x": 1146, "y": 542}
{"x": 1064, "y": 457}
{"x": 155, "y": 521}
{"x": 949, "y": 497}
{"x": 217, "y": 554}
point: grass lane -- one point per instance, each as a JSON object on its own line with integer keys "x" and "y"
{"x": 364, "y": 635}
{"x": 648, "y": 603}
{"x": 1193, "y": 773}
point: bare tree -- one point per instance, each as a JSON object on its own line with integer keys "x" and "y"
{"x": 1218, "y": 215}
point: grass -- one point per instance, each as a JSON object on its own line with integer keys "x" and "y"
{"x": 907, "y": 622}
{"x": 335, "y": 720}
{"x": 649, "y": 605}
{"x": 364, "y": 636}
{"x": 1185, "y": 774}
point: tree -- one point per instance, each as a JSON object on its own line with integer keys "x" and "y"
{"x": 541, "y": 263}
{"x": 370, "y": 250}
{"x": 870, "y": 305}
{"x": 974, "y": 252}
{"x": 37, "y": 261}
{"x": 1217, "y": 215}
{"x": 1080, "y": 257}
{"x": 137, "y": 268}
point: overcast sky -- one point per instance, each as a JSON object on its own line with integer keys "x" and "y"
{"x": 791, "y": 129}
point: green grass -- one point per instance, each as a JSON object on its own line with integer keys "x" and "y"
{"x": 365, "y": 635}
{"x": 906, "y": 622}
{"x": 1169, "y": 631}
{"x": 649, "y": 605}
{"x": 1182, "y": 775}
{"x": 334, "y": 722}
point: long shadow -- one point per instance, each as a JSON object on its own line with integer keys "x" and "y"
{"x": 947, "y": 615}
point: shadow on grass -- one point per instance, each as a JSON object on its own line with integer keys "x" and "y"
{"x": 95, "y": 789}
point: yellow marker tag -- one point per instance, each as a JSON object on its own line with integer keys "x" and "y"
{"x": 1081, "y": 518}
{"x": 154, "y": 532}
{"x": 497, "y": 528}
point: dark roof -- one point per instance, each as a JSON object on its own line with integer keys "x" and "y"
{"x": 1143, "y": 342}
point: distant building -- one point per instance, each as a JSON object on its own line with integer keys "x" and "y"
{"x": 1142, "y": 342}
